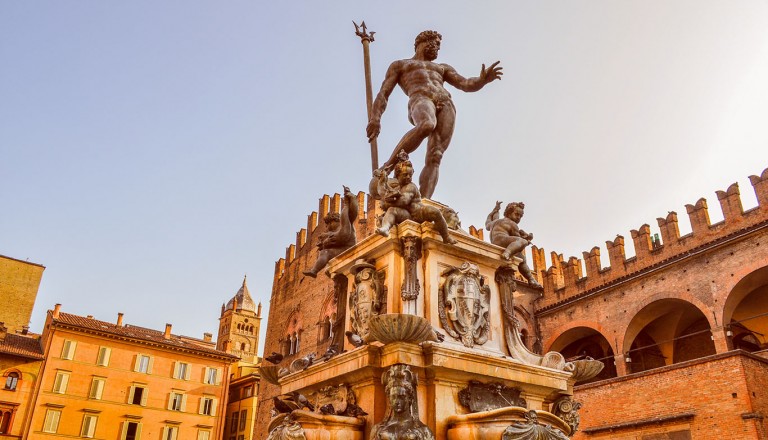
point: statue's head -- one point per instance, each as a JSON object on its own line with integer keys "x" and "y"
{"x": 514, "y": 211}
{"x": 332, "y": 220}
{"x": 451, "y": 218}
{"x": 400, "y": 387}
{"x": 404, "y": 171}
{"x": 432, "y": 40}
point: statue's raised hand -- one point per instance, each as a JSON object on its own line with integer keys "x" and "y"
{"x": 498, "y": 205}
{"x": 493, "y": 72}
{"x": 373, "y": 129}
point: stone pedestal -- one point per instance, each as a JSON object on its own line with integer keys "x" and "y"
{"x": 454, "y": 289}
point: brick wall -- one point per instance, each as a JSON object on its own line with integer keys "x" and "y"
{"x": 19, "y": 281}
{"x": 707, "y": 397}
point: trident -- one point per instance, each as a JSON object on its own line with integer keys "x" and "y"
{"x": 366, "y": 39}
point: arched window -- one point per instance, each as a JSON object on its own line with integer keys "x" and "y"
{"x": 242, "y": 346}
{"x": 11, "y": 381}
{"x": 6, "y": 417}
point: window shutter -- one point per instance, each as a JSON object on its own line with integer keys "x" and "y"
{"x": 136, "y": 362}
{"x": 130, "y": 396}
{"x": 124, "y": 430}
{"x": 68, "y": 350}
{"x": 219, "y": 373}
{"x": 184, "y": 402}
{"x": 102, "y": 359}
{"x": 89, "y": 426}
{"x": 170, "y": 403}
{"x": 176, "y": 370}
{"x": 144, "y": 395}
{"x": 165, "y": 432}
{"x": 151, "y": 362}
{"x": 187, "y": 371}
{"x": 97, "y": 388}
{"x": 138, "y": 431}
{"x": 213, "y": 406}
{"x": 205, "y": 374}
{"x": 60, "y": 384}
{"x": 201, "y": 405}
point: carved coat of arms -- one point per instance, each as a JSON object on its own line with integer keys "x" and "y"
{"x": 464, "y": 303}
{"x": 366, "y": 300}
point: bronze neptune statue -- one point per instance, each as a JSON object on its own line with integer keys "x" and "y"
{"x": 430, "y": 108}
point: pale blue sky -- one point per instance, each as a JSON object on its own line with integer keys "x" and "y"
{"x": 151, "y": 153}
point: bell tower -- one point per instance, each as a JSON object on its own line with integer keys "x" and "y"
{"x": 239, "y": 326}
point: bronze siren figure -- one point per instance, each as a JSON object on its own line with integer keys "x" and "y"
{"x": 430, "y": 108}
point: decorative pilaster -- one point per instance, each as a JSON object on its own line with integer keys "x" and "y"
{"x": 411, "y": 253}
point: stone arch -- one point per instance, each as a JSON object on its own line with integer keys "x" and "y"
{"x": 582, "y": 339}
{"x": 549, "y": 344}
{"x": 745, "y": 311}
{"x": 675, "y": 295}
{"x": 665, "y": 331}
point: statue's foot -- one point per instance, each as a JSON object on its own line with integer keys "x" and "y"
{"x": 449, "y": 240}
{"x": 384, "y": 232}
{"x": 309, "y": 273}
{"x": 506, "y": 255}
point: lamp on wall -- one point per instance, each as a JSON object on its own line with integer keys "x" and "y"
{"x": 627, "y": 359}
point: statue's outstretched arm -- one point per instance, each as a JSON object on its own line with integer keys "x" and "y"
{"x": 453, "y": 78}
{"x": 493, "y": 216}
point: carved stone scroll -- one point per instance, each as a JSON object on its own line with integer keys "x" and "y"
{"x": 366, "y": 299}
{"x": 411, "y": 253}
{"x": 532, "y": 430}
{"x": 464, "y": 304}
{"x": 336, "y": 396}
{"x": 567, "y": 409}
{"x": 479, "y": 397}
{"x": 505, "y": 277}
{"x": 285, "y": 427}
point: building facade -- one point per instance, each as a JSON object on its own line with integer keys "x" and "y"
{"x": 117, "y": 381}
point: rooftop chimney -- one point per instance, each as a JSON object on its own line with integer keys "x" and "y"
{"x": 89, "y": 316}
{"x": 207, "y": 337}
{"x": 56, "y": 310}
{"x": 120, "y": 319}
{"x": 167, "y": 334}
{"x": 24, "y": 329}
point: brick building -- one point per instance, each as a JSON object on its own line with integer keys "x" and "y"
{"x": 112, "y": 380}
{"x": 681, "y": 326}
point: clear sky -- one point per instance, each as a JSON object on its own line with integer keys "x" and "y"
{"x": 154, "y": 152}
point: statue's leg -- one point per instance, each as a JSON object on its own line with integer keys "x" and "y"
{"x": 525, "y": 271}
{"x": 516, "y": 245}
{"x": 436, "y": 146}
{"x": 422, "y": 113}
{"x": 434, "y": 215}
{"x": 387, "y": 221}
{"x": 322, "y": 260}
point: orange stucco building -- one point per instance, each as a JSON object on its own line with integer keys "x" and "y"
{"x": 116, "y": 381}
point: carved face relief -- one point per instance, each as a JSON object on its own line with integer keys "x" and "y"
{"x": 464, "y": 304}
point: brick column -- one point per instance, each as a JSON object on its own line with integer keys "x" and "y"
{"x": 621, "y": 366}
{"x": 722, "y": 342}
